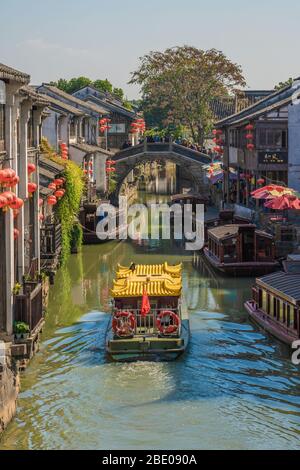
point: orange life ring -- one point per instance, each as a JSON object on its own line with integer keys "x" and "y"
{"x": 170, "y": 329}
{"x": 123, "y": 324}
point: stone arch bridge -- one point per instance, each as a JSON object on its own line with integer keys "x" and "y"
{"x": 190, "y": 161}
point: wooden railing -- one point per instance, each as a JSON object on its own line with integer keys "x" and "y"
{"x": 29, "y": 306}
{"x": 51, "y": 240}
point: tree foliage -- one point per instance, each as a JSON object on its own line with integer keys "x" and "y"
{"x": 105, "y": 86}
{"x": 181, "y": 82}
{"x": 281, "y": 85}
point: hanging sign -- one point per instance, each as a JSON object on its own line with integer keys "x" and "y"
{"x": 272, "y": 158}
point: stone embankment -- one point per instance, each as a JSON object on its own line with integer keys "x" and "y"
{"x": 9, "y": 386}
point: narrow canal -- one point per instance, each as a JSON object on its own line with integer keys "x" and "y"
{"x": 234, "y": 389}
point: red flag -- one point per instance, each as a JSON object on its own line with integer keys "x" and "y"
{"x": 145, "y": 305}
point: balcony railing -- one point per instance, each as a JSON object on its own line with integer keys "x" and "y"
{"x": 29, "y": 306}
{"x": 146, "y": 325}
{"x": 51, "y": 240}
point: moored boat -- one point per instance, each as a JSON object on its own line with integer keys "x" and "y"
{"x": 149, "y": 320}
{"x": 275, "y": 305}
{"x": 241, "y": 250}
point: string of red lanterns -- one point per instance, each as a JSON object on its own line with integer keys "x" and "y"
{"x": 64, "y": 151}
{"x": 139, "y": 125}
{"x": 218, "y": 140}
{"x": 250, "y": 137}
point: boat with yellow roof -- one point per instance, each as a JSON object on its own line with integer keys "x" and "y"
{"x": 149, "y": 320}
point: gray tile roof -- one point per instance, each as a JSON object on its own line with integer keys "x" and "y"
{"x": 283, "y": 283}
{"x": 271, "y": 102}
{"x": 76, "y": 102}
{"x": 62, "y": 106}
{"x": 36, "y": 97}
{"x": 9, "y": 73}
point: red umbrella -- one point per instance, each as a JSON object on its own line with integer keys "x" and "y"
{"x": 281, "y": 203}
{"x": 296, "y": 204}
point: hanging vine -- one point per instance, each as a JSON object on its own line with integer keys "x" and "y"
{"x": 68, "y": 207}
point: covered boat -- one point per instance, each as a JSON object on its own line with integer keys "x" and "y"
{"x": 149, "y": 320}
{"x": 275, "y": 305}
{"x": 241, "y": 250}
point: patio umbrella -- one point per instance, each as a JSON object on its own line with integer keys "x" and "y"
{"x": 283, "y": 203}
{"x": 273, "y": 191}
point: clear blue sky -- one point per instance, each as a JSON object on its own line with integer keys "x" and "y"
{"x": 104, "y": 39}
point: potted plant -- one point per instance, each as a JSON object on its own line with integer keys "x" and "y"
{"x": 21, "y": 330}
{"x": 17, "y": 289}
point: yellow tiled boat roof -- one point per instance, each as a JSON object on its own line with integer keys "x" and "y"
{"x": 157, "y": 280}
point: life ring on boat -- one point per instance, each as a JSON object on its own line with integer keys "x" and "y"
{"x": 123, "y": 324}
{"x": 173, "y": 324}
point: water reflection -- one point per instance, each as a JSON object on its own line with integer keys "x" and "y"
{"x": 236, "y": 388}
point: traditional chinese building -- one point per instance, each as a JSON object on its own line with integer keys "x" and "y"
{"x": 74, "y": 122}
{"x": 121, "y": 117}
{"x": 21, "y": 110}
{"x": 269, "y": 149}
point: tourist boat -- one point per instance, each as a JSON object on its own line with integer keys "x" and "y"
{"x": 241, "y": 250}
{"x": 149, "y": 320}
{"x": 275, "y": 305}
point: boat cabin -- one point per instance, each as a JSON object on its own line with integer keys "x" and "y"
{"x": 276, "y": 302}
{"x": 148, "y": 321}
{"x": 240, "y": 243}
{"x": 161, "y": 283}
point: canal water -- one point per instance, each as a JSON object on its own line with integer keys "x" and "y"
{"x": 235, "y": 388}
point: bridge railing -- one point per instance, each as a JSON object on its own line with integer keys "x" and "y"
{"x": 159, "y": 147}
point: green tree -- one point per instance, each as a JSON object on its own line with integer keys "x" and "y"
{"x": 281, "y": 85}
{"x": 103, "y": 85}
{"x": 70, "y": 86}
{"x": 182, "y": 81}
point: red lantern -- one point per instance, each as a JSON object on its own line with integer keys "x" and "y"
{"x": 52, "y": 186}
{"x": 250, "y": 136}
{"x": 7, "y": 175}
{"x": 9, "y": 196}
{"x": 111, "y": 162}
{"x": 32, "y": 187}
{"x": 214, "y": 132}
{"x": 58, "y": 182}
{"x": 110, "y": 170}
{"x": 59, "y": 194}
{"x": 85, "y": 172}
{"x": 250, "y": 147}
{"x": 261, "y": 181}
{"x": 249, "y": 127}
{"x": 51, "y": 200}
{"x": 3, "y": 201}
{"x": 219, "y": 132}
{"x": 17, "y": 203}
{"x": 31, "y": 168}
{"x": 16, "y": 233}
{"x": 91, "y": 164}
{"x": 91, "y": 172}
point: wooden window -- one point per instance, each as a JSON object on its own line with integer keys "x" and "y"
{"x": 2, "y": 127}
{"x": 264, "y": 301}
{"x": 117, "y": 129}
{"x": 288, "y": 315}
{"x": 276, "y": 138}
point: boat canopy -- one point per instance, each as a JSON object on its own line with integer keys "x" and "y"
{"x": 160, "y": 280}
